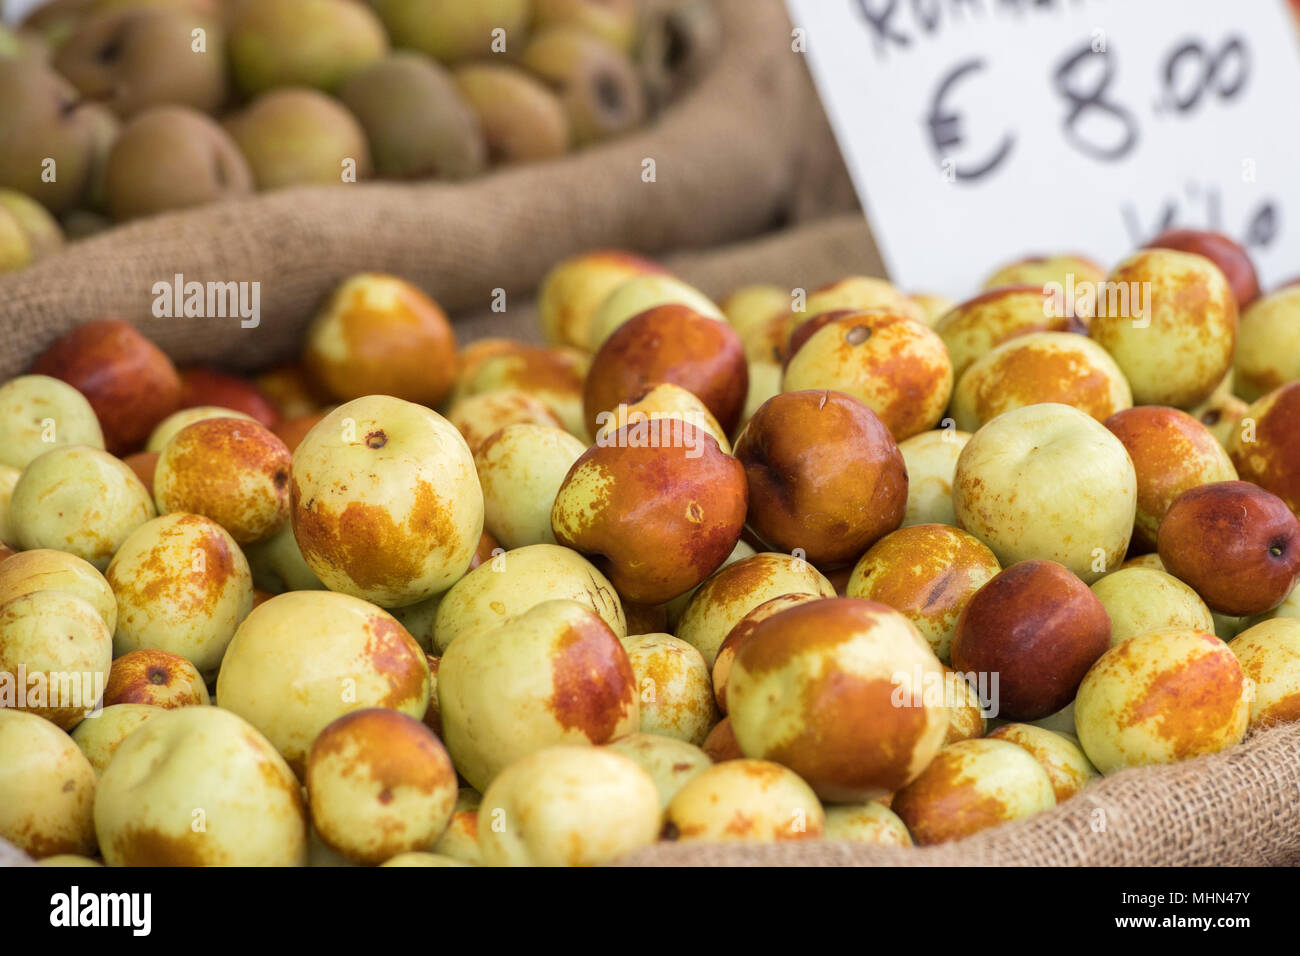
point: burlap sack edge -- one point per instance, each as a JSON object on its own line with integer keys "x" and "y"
{"x": 1240, "y": 807}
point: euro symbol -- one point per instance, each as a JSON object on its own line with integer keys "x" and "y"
{"x": 946, "y": 133}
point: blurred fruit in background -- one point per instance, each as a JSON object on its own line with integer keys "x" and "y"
{"x": 112, "y": 110}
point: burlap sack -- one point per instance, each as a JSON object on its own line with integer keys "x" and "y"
{"x": 747, "y": 148}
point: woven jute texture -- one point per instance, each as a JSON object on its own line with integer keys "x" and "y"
{"x": 746, "y": 149}
{"x": 1237, "y": 808}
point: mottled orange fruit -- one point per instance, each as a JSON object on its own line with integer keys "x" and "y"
{"x": 1059, "y": 754}
{"x": 379, "y": 783}
{"x": 1231, "y": 258}
{"x": 644, "y": 618}
{"x": 48, "y": 787}
{"x": 721, "y": 744}
{"x": 487, "y": 546}
{"x": 1236, "y": 544}
{"x": 152, "y": 676}
{"x": 293, "y": 430}
{"x": 285, "y": 666}
{"x": 836, "y": 690}
{"x": 552, "y": 375}
{"x": 129, "y": 382}
{"x": 1221, "y": 413}
{"x": 743, "y": 800}
{"x": 144, "y": 464}
{"x": 479, "y": 416}
{"x": 291, "y": 390}
{"x": 1160, "y": 698}
{"x": 735, "y": 590}
{"x": 1269, "y": 654}
{"x": 591, "y": 678}
{"x": 886, "y": 359}
{"x": 553, "y": 675}
{"x": 1039, "y": 270}
{"x": 1171, "y": 326}
{"x": 1171, "y": 453}
{"x": 852, "y": 293}
{"x": 671, "y": 344}
{"x": 182, "y": 585}
{"x": 460, "y": 839}
{"x": 207, "y": 386}
{"x": 825, "y": 476}
{"x": 1039, "y": 628}
{"x": 741, "y": 633}
{"x": 1269, "y": 452}
{"x": 870, "y": 822}
{"x": 385, "y": 501}
{"x": 655, "y": 520}
{"x": 233, "y": 471}
{"x": 966, "y": 712}
{"x": 1040, "y": 367}
{"x": 433, "y": 716}
{"x": 928, "y": 573}
{"x": 380, "y": 335}
{"x": 573, "y": 289}
{"x": 675, "y": 687}
{"x": 977, "y": 326}
{"x": 970, "y": 786}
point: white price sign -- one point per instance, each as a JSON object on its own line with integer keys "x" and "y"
{"x": 979, "y": 131}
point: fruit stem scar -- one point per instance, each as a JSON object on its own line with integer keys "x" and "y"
{"x": 376, "y": 439}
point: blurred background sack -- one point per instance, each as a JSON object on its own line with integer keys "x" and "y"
{"x": 743, "y": 150}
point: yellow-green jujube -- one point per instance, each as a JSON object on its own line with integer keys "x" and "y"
{"x": 568, "y": 806}
{"x": 199, "y": 786}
